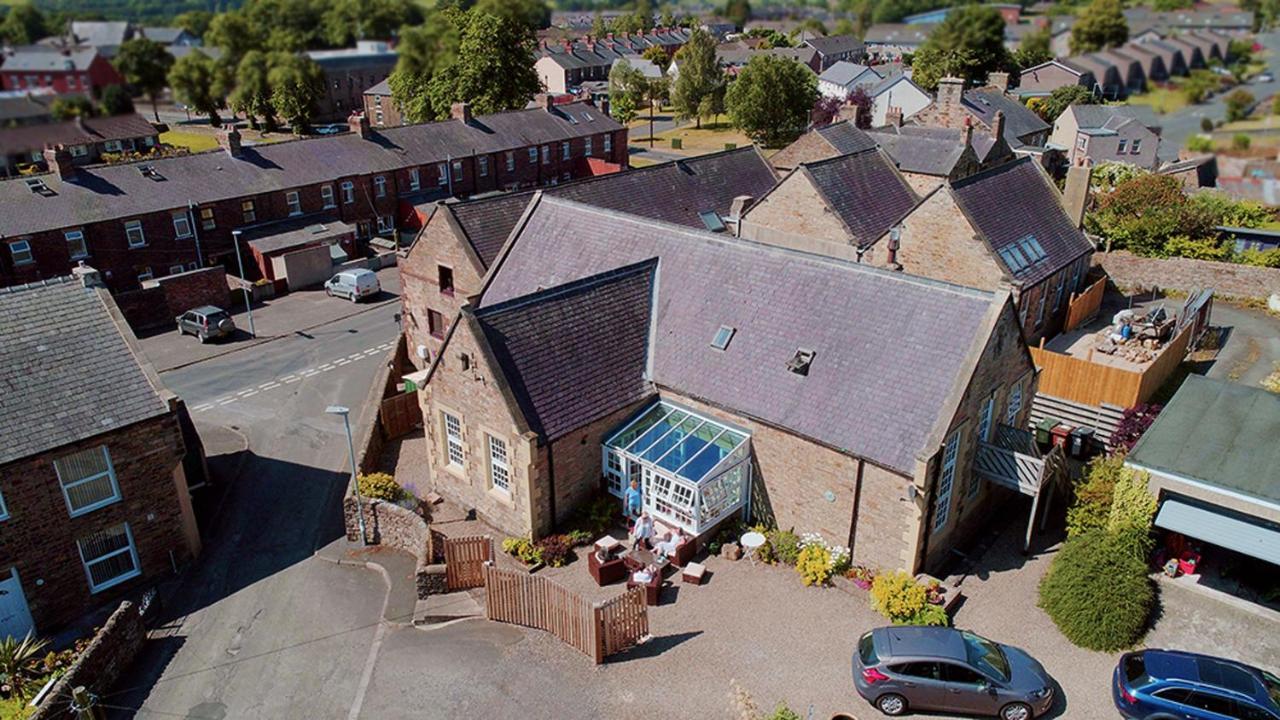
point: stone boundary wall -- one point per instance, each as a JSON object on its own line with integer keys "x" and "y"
{"x": 1229, "y": 280}
{"x": 396, "y": 527}
{"x": 103, "y": 662}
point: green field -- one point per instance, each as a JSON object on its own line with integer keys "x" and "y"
{"x": 196, "y": 142}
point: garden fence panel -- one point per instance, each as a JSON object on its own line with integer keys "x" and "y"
{"x": 464, "y": 560}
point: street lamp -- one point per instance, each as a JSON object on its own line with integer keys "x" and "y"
{"x": 248, "y": 298}
{"x": 351, "y": 447}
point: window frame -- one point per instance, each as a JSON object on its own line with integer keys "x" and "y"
{"x": 249, "y": 211}
{"x": 566, "y": 150}
{"x": 13, "y": 252}
{"x": 482, "y": 166}
{"x": 496, "y": 464}
{"x": 380, "y": 186}
{"x": 327, "y": 197}
{"x": 386, "y": 224}
{"x": 109, "y": 473}
{"x": 129, "y": 227}
{"x": 511, "y": 161}
{"x": 181, "y": 216}
{"x": 435, "y": 324}
{"x": 444, "y": 272}
{"x": 443, "y": 169}
{"x": 294, "y": 201}
{"x": 1122, "y": 146}
{"x": 415, "y": 179}
{"x": 208, "y": 221}
{"x": 131, "y": 548}
{"x": 1014, "y": 405}
{"x": 946, "y": 479}
{"x": 453, "y": 439}
{"x": 4, "y": 509}
{"x": 586, "y": 146}
{"x": 348, "y": 192}
{"x": 1135, "y": 146}
{"x": 78, "y": 236}
{"x": 608, "y": 143}
{"x": 533, "y": 156}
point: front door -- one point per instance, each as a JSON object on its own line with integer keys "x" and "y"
{"x": 15, "y": 618}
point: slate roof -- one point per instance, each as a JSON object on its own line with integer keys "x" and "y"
{"x": 845, "y": 137}
{"x": 85, "y": 131}
{"x": 889, "y": 347}
{"x": 299, "y": 232}
{"x": 863, "y": 190}
{"x": 19, "y": 107}
{"x": 66, "y": 369}
{"x": 844, "y": 72}
{"x": 575, "y": 352}
{"x": 104, "y": 34}
{"x": 924, "y": 154}
{"x": 119, "y": 191}
{"x": 163, "y": 35}
{"x": 738, "y": 58}
{"x": 1091, "y": 116}
{"x": 1217, "y": 432}
{"x": 835, "y": 44}
{"x": 1019, "y": 121}
{"x": 31, "y": 59}
{"x": 674, "y": 192}
{"x": 899, "y": 33}
{"x": 1013, "y": 201}
{"x": 382, "y": 88}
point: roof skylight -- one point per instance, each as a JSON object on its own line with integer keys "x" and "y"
{"x": 723, "y": 336}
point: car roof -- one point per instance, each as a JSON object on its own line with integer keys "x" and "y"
{"x": 207, "y": 310}
{"x": 357, "y": 272}
{"x": 907, "y": 641}
{"x": 1197, "y": 669}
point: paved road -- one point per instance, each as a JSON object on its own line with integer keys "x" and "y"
{"x": 260, "y": 628}
{"x": 1177, "y": 127}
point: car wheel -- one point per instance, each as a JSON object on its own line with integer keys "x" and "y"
{"x": 354, "y": 297}
{"x": 891, "y": 704}
{"x": 203, "y": 338}
{"x": 328, "y": 291}
{"x": 1016, "y": 711}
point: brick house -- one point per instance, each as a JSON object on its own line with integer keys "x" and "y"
{"x": 767, "y": 392}
{"x": 81, "y": 70}
{"x": 837, "y": 48}
{"x": 1095, "y": 134}
{"x": 381, "y": 108}
{"x": 1048, "y": 76}
{"x": 94, "y": 500}
{"x": 957, "y": 108}
{"x": 348, "y": 73}
{"x": 139, "y": 220}
{"x": 86, "y": 139}
{"x": 455, "y": 249}
{"x": 563, "y": 66}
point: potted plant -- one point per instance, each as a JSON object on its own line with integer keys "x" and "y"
{"x": 862, "y": 576}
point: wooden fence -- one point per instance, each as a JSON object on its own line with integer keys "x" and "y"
{"x": 400, "y": 415}
{"x": 1081, "y": 381}
{"x": 1084, "y": 306}
{"x": 596, "y": 631}
{"x": 464, "y": 561}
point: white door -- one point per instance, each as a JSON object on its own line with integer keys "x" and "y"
{"x": 15, "y": 618}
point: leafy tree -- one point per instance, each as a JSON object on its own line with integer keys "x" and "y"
{"x": 825, "y": 110}
{"x": 1140, "y": 214}
{"x": 252, "y": 95}
{"x": 845, "y": 26}
{"x": 491, "y": 69}
{"x": 629, "y": 23}
{"x": 1097, "y": 591}
{"x": 627, "y": 89}
{"x": 624, "y": 108}
{"x": 115, "y": 100}
{"x": 667, "y": 18}
{"x": 290, "y": 25}
{"x": 1062, "y": 98}
{"x": 599, "y": 28}
{"x": 71, "y": 107}
{"x": 424, "y": 50}
{"x": 296, "y": 83}
{"x": 195, "y": 22}
{"x": 861, "y": 100}
{"x": 968, "y": 44}
{"x": 644, "y": 14}
{"x": 771, "y": 99}
{"x": 1033, "y": 50}
{"x": 196, "y": 82}
{"x": 145, "y": 65}
{"x": 535, "y": 14}
{"x": 23, "y": 25}
{"x": 232, "y": 33}
{"x": 1238, "y": 104}
{"x": 737, "y": 12}
{"x": 657, "y": 55}
{"x": 700, "y": 76}
{"x": 811, "y": 24}
{"x": 1240, "y": 141}
{"x": 346, "y": 21}
{"x": 1100, "y": 25}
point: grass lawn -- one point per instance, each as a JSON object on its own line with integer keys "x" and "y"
{"x": 1162, "y": 100}
{"x": 636, "y": 162}
{"x": 711, "y": 137}
{"x": 1266, "y": 122}
{"x": 195, "y": 141}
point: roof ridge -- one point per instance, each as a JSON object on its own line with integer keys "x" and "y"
{"x": 556, "y": 292}
{"x": 38, "y": 284}
{"x": 989, "y": 172}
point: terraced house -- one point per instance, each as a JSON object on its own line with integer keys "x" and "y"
{"x": 139, "y": 220}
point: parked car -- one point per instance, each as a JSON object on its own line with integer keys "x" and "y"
{"x": 947, "y": 670}
{"x": 1175, "y": 685}
{"x": 1265, "y": 77}
{"x": 353, "y": 285}
{"x": 206, "y": 322}
{"x": 328, "y": 129}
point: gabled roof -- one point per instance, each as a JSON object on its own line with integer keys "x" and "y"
{"x": 1015, "y": 202}
{"x": 889, "y": 82}
{"x": 918, "y": 153}
{"x": 18, "y": 106}
{"x": 43, "y": 59}
{"x": 383, "y": 88}
{"x": 1019, "y": 121}
{"x": 863, "y": 190}
{"x": 163, "y": 35}
{"x": 844, "y": 137}
{"x": 31, "y": 138}
{"x": 103, "y": 34}
{"x": 804, "y": 55}
{"x": 835, "y": 44}
{"x": 1094, "y": 116}
{"x": 577, "y": 351}
{"x": 1064, "y": 63}
{"x": 890, "y": 348}
{"x": 117, "y": 191}
{"x": 899, "y": 33}
{"x": 68, "y": 368}
{"x": 674, "y": 192}
{"x": 843, "y": 73}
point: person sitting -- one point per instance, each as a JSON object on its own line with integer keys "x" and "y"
{"x": 642, "y": 576}
{"x": 668, "y": 546}
{"x": 643, "y": 531}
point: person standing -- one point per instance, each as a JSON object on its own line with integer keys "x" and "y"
{"x": 632, "y": 501}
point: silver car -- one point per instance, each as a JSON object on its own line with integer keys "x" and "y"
{"x": 947, "y": 670}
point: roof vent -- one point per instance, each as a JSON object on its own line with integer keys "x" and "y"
{"x": 37, "y": 186}
{"x": 800, "y": 362}
{"x": 723, "y": 336}
{"x": 149, "y": 171}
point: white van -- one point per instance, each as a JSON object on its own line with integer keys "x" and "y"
{"x": 353, "y": 285}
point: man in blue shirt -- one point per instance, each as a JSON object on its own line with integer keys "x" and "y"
{"x": 631, "y": 501}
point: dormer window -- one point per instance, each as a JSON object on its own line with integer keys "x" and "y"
{"x": 722, "y": 337}
{"x": 801, "y": 361}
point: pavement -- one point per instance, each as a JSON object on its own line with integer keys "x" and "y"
{"x": 1251, "y": 349}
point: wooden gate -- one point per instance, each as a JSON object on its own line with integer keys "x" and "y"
{"x": 399, "y": 415}
{"x": 621, "y": 623}
{"x": 1084, "y": 306}
{"x": 464, "y": 561}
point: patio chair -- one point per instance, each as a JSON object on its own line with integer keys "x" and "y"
{"x": 651, "y": 588}
{"x": 607, "y": 571}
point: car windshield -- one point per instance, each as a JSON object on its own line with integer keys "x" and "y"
{"x": 1272, "y": 683}
{"x": 986, "y": 655}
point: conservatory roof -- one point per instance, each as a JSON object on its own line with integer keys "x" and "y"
{"x": 678, "y": 440}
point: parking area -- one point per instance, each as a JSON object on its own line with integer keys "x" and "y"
{"x": 287, "y": 315}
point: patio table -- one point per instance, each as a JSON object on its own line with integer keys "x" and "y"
{"x": 637, "y": 557}
{"x": 751, "y": 542}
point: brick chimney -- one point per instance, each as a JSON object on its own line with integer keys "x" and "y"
{"x": 89, "y": 277}
{"x": 997, "y": 126}
{"x": 740, "y": 205}
{"x": 359, "y": 124}
{"x": 893, "y": 116}
{"x": 968, "y": 132}
{"x": 59, "y": 161}
{"x": 999, "y": 81}
{"x": 461, "y": 111}
{"x": 950, "y": 96}
{"x": 1075, "y": 196}
{"x": 229, "y": 139}
{"x": 546, "y": 101}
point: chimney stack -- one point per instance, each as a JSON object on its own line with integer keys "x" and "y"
{"x": 893, "y": 116}
{"x": 893, "y": 245}
{"x": 950, "y": 97}
{"x": 1075, "y": 196}
{"x": 999, "y": 81}
{"x": 997, "y": 126}
{"x": 359, "y": 124}
{"x": 59, "y": 161}
{"x": 89, "y": 277}
{"x": 546, "y": 101}
{"x": 229, "y": 139}
{"x": 968, "y": 132}
{"x": 461, "y": 111}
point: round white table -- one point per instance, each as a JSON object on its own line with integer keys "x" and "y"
{"x": 751, "y": 542}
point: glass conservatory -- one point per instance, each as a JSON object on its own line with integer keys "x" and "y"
{"x": 693, "y": 471}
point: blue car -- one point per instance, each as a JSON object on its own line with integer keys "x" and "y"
{"x": 1175, "y": 685}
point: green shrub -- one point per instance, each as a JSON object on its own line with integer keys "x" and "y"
{"x": 1133, "y": 509}
{"x": 785, "y": 546}
{"x": 1097, "y": 592}
{"x": 904, "y": 601}
{"x": 1240, "y": 141}
{"x": 1094, "y": 491}
{"x": 814, "y": 564}
{"x": 554, "y": 550}
{"x": 1260, "y": 258}
{"x": 782, "y": 712}
{"x": 381, "y": 486}
{"x": 596, "y": 515}
{"x": 579, "y": 537}
{"x": 1206, "y": 124}
{"x": 523, "y": 550}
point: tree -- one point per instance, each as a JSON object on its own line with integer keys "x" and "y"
{"x": 1033, "y": 50}
{"x": 1097, "y": 591}
{"x": 291, "y": 25}
{"x": 424, "y": 50}
{"x": 862, "y": 101}
{"x": 737, "y": 12}
{"x": 624, "y": 109}
{"x": 771, "y": 99}
{"x": 195, "y": 82}
{"x": 535, "y": 14}
{"x": 296, "y": 83}
{"x": 145, "y": 65}
{"x": 23, "y": 25}
{"x": 1100, "y": 25}
{"x": 195, "y": 22}
{"x": 626, "y": 90}
{"x": 1238, "y": 104}
{"x": 252, "y": 95}
{"x": 1062, "y": 98}
{"x": 599, "y": 28}
{"x": 491, "y": 69}
{"x": 644, "y": 14}
{"x": 115, "y": 100}
{"x": 232, "y": 33}
{"x": 825, "y": 110}
{"x": 346, "y": 21}
{"x": 667, "y": 17}
{"x": 968, "y": 44}
{"x": 71, "y": 107}
{"x": 657, "y": 55}
{"x": 700, "y": 76}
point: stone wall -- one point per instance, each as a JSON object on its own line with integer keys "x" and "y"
{"x": 183, "y": 291}
{"x": 144, "y": 309}
{"x": 1131, "y": 272}
{"x": 396, "y": 527}
{"x": 101, "y": 664}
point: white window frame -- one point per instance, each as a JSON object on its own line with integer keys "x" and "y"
{"x": 129, "y": 227}
{"x": 146, "y": 274}
{"x": 511, "y": 161}
{"x": 348, "y": 192}
{"x": 18, "y": 249}
{"x": 443, "y": 169}
{"x": 483, "y": 164}
{"x": 499, "y": 465}
{"x": 1134, "y": 148}
{"x": 1015, "y": 403}
{"x": 175, "y": 269}
{"x": 294, "y": 202}
{"x": 109, "y": 474}
{"x": 209, "y": 221}
{"x": 249, "y": 211}
{"x": 4, "y": 509}
{"x": 986, "y": 416}
{"x": 1040, "y": 311}
{"x": 78, "y": 151}
{"x": 73, "y": 238}
{"x": 608, "y": 144}
{"x": 1057, "y": 295}
{"x": 457, "y": 171}
{"x": 452, "y": 439}
{"x": 415, "y": 179}
{"x": 326, "y": 195}
{"x": 181, "y": 225}
{"x": 565, "y": 152}
{"x": 113, "y": 146}
{"x": 533, "y": 156}
{"x": 946, "y": 478}
{"x": 380, "y": 186}
{"x": 131, "y": 548}
{"x": 1122, "y": 146}
{"x": 386, "y": 224}
{"x": 546, "y": 154}
{"x": 586, "y": 146}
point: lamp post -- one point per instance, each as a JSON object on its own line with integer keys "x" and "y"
{"x": 248, "y": 298}
{"x": 351, "y": 447}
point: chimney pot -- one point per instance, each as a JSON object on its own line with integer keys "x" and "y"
{"x": 229, "y": 139}
{"x": 461, "y": 111}
{"x": 359, "y": 124}
{"x": 59, "y": 161}
{"x": 88, "y": 276}
{"x": 997, "y": 126}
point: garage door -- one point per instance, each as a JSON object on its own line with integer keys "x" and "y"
{"x": 1222, "y": 528}
{"x": 15, "y": 618}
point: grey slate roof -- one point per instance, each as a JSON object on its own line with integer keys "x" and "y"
{"x": 297, "y": 232}
{"x": 889, "y": 347}
{"x": 924, "y": 154}
{"x": 575, "y": 352}
{"x": 1092, "y": 116}
{"x": 845, "y": 137}
{"x": 899, "y": 33}
{"x": 84, "y": 131}
{"x": 1014, "y": 200}
{"x": 20, "y": 107}
{"x": 163, "y": 35}
{"x": 844, "y": 72}
{"x": 121, "y": 191}
{"x": 104, "y": 34}
{"x": 66, "y": 371}
{"x": 863, "y": 190}
{"x": 41, "y": 59}
{"x": 835, "y": 44}
{"x": 674, "y": 192}
{"x": 383, "y": 88}
{"x": 1019, "y": 121}
{"x": 1220, "y": 433}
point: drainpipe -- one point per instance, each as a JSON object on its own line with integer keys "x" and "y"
{"x": 195, "y": 232}
{"x": 857, "y": 500}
